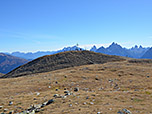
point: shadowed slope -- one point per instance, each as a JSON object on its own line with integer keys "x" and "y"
{"x": 8, "y": 62}
{"x": 148, "y": 54}
{"x": 60, "y": 61}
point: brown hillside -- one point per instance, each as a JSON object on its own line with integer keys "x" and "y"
{"x": 106, "y": 88}
{"x": 62, "y": 60}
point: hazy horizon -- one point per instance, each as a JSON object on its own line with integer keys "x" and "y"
{"x": 87, "y": 47}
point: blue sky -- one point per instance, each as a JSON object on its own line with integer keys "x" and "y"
{"x": 37, "y": 25}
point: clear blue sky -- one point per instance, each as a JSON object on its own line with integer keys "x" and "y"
{"x": 32, "y": 25}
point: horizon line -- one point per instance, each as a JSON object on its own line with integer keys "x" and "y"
{"x": 86, "y": 47}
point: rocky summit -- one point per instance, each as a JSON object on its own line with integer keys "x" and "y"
{"x": 62, "y": 60}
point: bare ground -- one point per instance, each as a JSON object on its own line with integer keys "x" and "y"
{"x": 105, "y": 88}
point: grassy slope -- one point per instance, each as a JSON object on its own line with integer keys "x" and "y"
{"x": 135, "y": 91}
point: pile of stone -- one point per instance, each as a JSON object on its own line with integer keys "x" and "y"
{"x": 36, "y": 108}
{"x": 124, "y": 111}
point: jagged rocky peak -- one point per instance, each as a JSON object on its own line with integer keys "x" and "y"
{"x": 94, "y": 48}
{"x": 114, "y": 46}
{"x": 71, "y": 48}
{"x": 136, "y": 46}
{"x": 140, "y": 46}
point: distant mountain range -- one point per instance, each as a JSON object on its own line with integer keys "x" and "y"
{"x": 8, "y": 62}
{"x": 113, "y": 49}
{"x": 116, "y": 49}
{"x": 31, "y": 56}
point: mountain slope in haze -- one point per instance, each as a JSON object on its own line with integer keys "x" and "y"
{"x": 31, "y": 56}
{"x": 8, "y": 62}
{"x": 1, "y": 74}
{"x": 137, "y": 52}
{"x": 116, "y": 49}
{"x": 60, "y": 61}
{"x": 148, "y": 54}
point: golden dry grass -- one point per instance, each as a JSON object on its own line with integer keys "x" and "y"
{"x": 135, "y": 91}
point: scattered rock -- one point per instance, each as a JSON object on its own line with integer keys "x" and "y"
{"x": 124, "y": 111}
{"x": 110, "y": 108}
{"x": 5, "y": 110}
{"x": 2, "y": 113}
{"x": 84, "y": 103}
{"x": 119, "y": 112}
{"x": 65, "y": 76}
{"x": 56, "y": 95}
{"x": 96, "y": 78}
{"x": 11, "y": 112}
{"x": 148, "y": 76}
{"x": 66, "y": 91}
{"x": 50, "y": 101}
{"x": 64, "y": 97}
{"x": 91, "y": 103}
{"x": 56, "y": 90}
{"x": 44, "y": 104}
{"x": 37, "y": 93}
{"x": 38, "y": 106}
{"x": 87, "y": 97}
{"x": 93, "y": 100}
{"x": 34, "y": 99}
{"x": 70, "y": 105}
{"x": 10, "y": 102}
{"x": 76, "y": 89}
{"x": 1, "y": 107}
{"x": 67, "y": 94}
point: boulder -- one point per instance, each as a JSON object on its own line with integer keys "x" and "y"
{"x": 76, "y": 89}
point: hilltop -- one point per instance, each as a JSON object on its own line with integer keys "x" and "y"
{"x": 8, "y": 62}
{"x": 62, "y": 60}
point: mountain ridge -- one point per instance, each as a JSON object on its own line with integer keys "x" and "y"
{"x": 113, "y": 49}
